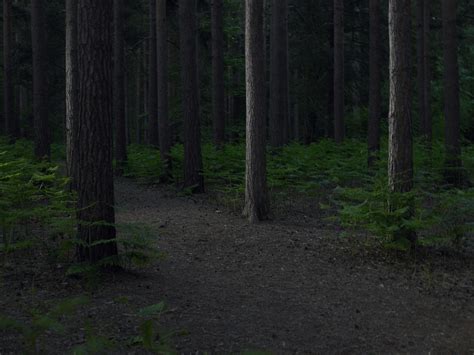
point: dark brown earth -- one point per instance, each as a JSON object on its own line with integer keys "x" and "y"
{"x": 290, "y": 285}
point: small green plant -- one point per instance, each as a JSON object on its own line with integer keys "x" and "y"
{"x": 40, "y": 324}
{"x": 443, "y": 217}
{"x": 35, "y": 204}
{"x": 152, "y": 338}
{"x": 137, "y": 248}
{"x": 94, "y": 344}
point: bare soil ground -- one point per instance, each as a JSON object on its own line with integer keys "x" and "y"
{"x": 289, "y": 285}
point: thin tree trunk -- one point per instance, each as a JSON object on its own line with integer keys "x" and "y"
{"x": 138, "y": 96}
{"x": 118, "y": 88}
{"x": 453, "y": 163}
{"x": 193, "y": 177}
{"x": 256, "y": 193}
{"x": 94, "y": 171}
{"x": 279, "y": 87}
{"x": 71, "y": 80}
{"x": 162, "y": 77}
{"x": 218, "y": 89}
{"x": 40, "y": 85}
{"x": 375, "y": 84}
{"x": 296, "y": 112}
{"x": 12, "y": 126}
{"x": 420, "y": 47}
{"x": 400, "y": 124}
{"x": 152, "y": 80}
{"x": 144, "y": 130}
{"x": 339, "y": 131}
{"x": 19, "y": 89}
{"x": 428, "y": 130}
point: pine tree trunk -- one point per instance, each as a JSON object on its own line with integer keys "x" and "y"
{"x": 118, "y": 88}
{"x": 193, "y": 177}
{"x": 453, "y": 163}
{"x": 71, "y": 80}
{"x": 279, "y": 88}
{"x": 12, "y": 126}
{"x": 428, "y": 130}
{"x": 256, "y": 194}
{"x": 152, "y": 80}
{"x": 138, "y": 96}
{"x": 218, "y": 89}
{"x": 162, "y": 77}
{"x": 93, "y": 131}
{"x": 339, "y": 131}
{"x": 400, "y": 124}
{"x": 400, "y": 146}
{"x": 375, "y": 82}
{"x": 420, "y": 49}
{"x": 40, "y": 84}
{"x": 296, "y": 112}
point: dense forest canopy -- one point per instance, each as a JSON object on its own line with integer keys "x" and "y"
{"x": 243, "y": 138}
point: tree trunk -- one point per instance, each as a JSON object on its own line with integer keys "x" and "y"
{"x": 152, "y": 80}
{"x": 256, "y": 194}
{"x": 193, "y": 177}
{"x": 40, "y": 85}
{"x": 339, "y": 131}
{"x": 428, "y": 130}
{"x": 93, "y": 131}
{"x": 420, "y": 49}
{"x": 296, "y": 111}
{"x": 375, "y": 84}
{"x": 71, "y": 80}
{"x": 279, "y": 88}
{"x": 162, "y": 77}
{"x": 400, "y": 123}
{"x": 453, "y": 163}
{"x": 218, "y": 89}
{"x": 12, "y": 126}
{"x": 118, "y": 88}
{"x": 144, "y": 130}
{"x": 138, "y": 96}
{"x": 400, "y": 147}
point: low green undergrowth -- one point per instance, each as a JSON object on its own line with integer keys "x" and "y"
{"x": 37, "y": 212}
{"x": 41, "y": 324}
{"x": 34, "y": 200}
{"x": 338, "y": 174}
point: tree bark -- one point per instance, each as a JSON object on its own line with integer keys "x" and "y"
{"x": 71, "y": 81}
{"x": 152, "y": 80}
{"x": 279, "y": 87}
{"x": 93, "y": 131}
{"x": 256, "y": 194}
{"x": 218, "y": 89}
{"x": 339, "y": 131}
{"x": 40, "y": 85}
{"x": 420, "y": 50}
{"x": 12, "y": 126}
{"x": 374, "y": 82}
{"x": 400, "y": 146}
{"x": 119, "y": 88}
{"x": 193, "y": 177}
{"x": 162, "y": 78}
{"x": 400, "y": 171}
{"x": 453, "y": 163}
{"x": 428, "y": 130}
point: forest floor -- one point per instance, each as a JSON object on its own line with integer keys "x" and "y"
{"x": 288, "y": 285}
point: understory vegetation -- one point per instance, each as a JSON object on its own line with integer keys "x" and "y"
{"x": 37, "y": 215}
{"x": 337, "y": 175}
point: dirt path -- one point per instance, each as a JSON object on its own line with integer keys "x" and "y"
{"x": 292, "y": 285}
